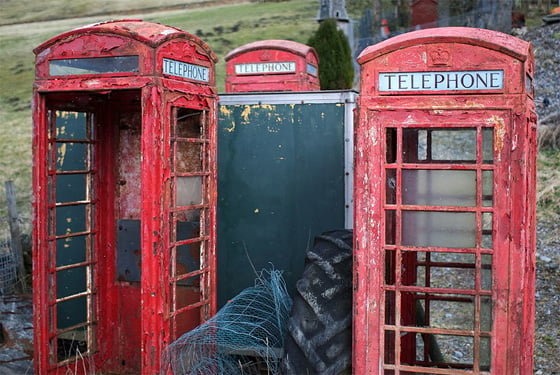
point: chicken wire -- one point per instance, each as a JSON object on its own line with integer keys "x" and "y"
{"x": 245, "y": 337}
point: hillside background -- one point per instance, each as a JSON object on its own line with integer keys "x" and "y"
{"x": 225, "y": 25}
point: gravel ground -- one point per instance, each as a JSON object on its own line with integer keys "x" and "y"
{"x": 546, "y": 43}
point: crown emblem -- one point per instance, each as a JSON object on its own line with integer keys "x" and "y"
{"x": 440, "y": 56}
{"x": 265, "y": 56}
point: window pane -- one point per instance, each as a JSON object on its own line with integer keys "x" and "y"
{"x": 71, "y": 156}
{"x": 439, "y": 187}
{"x": 70, "y": 281}
{"x": 189, "y": 190}
{"x": 440, "y": 229}
{"x": 96, "y": 65}
{"x": 488, "y": 145}
{"x": 487, "y": 188}
{"x": 70, "y": 250}
{"x": 71, "y": 312}
{"x": 391, "y": 186}
{"x": 71, "y": 187}
{"x": 71, "y": 125}
{"x": 453, "y": 144}
{"x": 71, "y": 219}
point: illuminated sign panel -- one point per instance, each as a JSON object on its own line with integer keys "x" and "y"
{"x": 442, "y": 81}
{"x": 185, "y": 70}
{"x": 267, "y": 67}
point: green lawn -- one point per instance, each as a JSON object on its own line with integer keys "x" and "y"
{"x": 222, "y": 27}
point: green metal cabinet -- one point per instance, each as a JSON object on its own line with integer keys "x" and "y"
{"x": 283, "y": 178}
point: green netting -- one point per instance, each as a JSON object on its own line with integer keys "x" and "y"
{"x": 245, "y": 337}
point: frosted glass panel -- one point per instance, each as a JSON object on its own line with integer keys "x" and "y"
{"x": 439, "y": 229}
{"x": 189, "y": 190}
{"x": 439, "y": 187}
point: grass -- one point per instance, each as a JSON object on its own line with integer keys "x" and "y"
{"x": 223, "y": 27}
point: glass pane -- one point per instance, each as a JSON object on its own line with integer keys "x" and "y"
{"x": 487, "y": 188}
{"x": 487, "y": 230}
{"x": 391, "y": 193}
{"x": 189, "y": 157}
{"x": 485, "y": 353}
{"x": 439, "y": 187}
{"x": 189, "y": 190}
{"x": 71, "y": 312}
{"x": 71, "y": 156}
{"x": 70, "y": 250}
{"x": 71, "y": 125}
{"x": 71, "y": 187}
{"x": 70, "y": 281}
{"x": 488, "y": 145}
{"x": 71, "y": 219}
{"x": 486, "y": 314}
{"x": 95, "y": 65}
{"x": 486, "y": 276}
{"x": 439, "y": 229}
{"x": 453, "y": 145}
{"x": 439, "y": 145}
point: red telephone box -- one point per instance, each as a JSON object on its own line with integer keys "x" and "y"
{"x": 272, "y": 65}
{"x": 124, "y": 179}
{"x": 445, "y": 205}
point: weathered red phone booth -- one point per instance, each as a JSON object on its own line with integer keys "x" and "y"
{"x": 124, "y": 171}
{"x": 445, "y": 205}
{"x": 272, "y": 65}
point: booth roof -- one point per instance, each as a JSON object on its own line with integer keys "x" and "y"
{"x": 285, "y": 45}
{"x": 150, "y": 33}
{"x": 490, "y": 39}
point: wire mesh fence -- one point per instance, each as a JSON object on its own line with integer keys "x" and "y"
{"x": 8, "y": 274}
{"x": 14, "y": 229}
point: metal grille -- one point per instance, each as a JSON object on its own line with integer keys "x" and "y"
{"x": 8, "y": 275}
{"x": 437, "y": 309}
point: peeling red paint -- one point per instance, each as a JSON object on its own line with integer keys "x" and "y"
{"x": 447, "y": 224}
{"x": 129, "y": 131}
